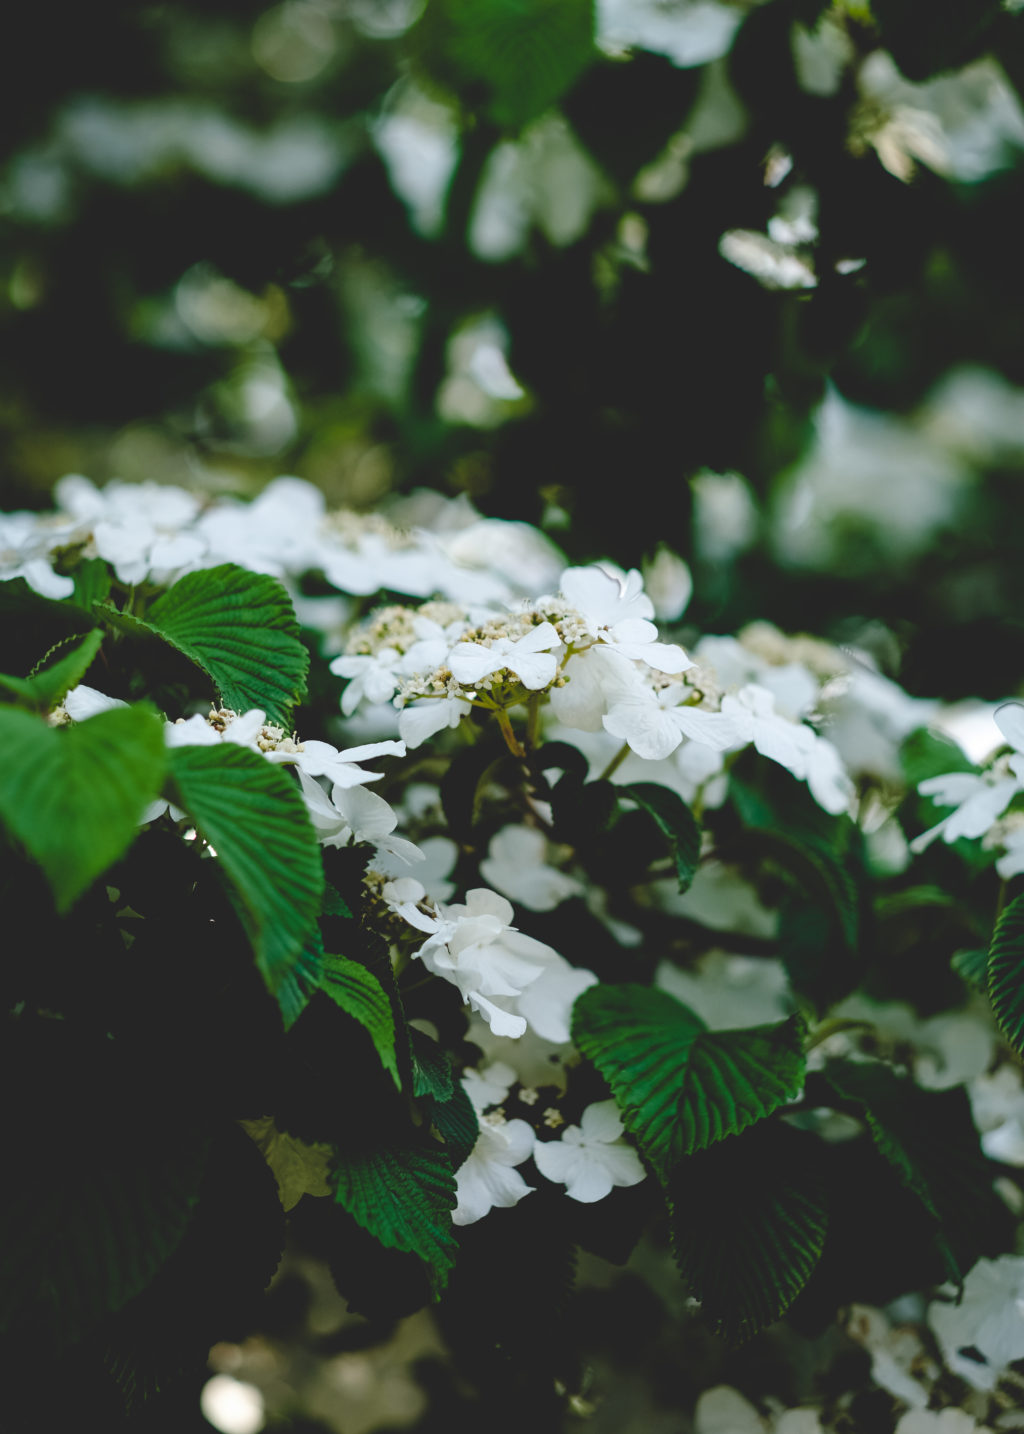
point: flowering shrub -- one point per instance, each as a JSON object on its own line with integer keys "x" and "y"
{"x": 416, "y": 879}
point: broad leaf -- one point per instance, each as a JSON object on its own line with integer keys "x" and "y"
{"x": 100, "y": 1185}
{"x": 73, "y": 796}
{"x": 48, "y": 684}
{"x": 431, "y": 1067}
{"x": 31, "y": 623}
{"x": 748, "y": 1222}
{"x": 457, "y": 1124}
{"x": 358, "y": 992}
{"x": 1006, "y": 973}
{"x": 239, "y": 627}
{"x": 681, "y": 1087}
{"x": 404, "y": 1196}
{"x": 675, "y": 821}
{"x": 930, "y": 1141}
{"x": 253, "y": 816}
{"x": 521, "y": 54}
{"x": 302, "y": 979}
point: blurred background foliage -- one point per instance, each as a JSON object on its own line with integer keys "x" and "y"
{"x": 740, "y": 277}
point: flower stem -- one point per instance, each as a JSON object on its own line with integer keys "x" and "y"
{"x": 512, "y": 742}
{"x": 615, "y": 763}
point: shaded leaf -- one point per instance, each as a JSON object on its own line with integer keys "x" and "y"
{"x": 748, "y": 1220}
{"x": 253, "y": 816}
{"x": 521, "y": 55}
{"x": 675, "y": 821}
{"x": 403, "y": 1195}
{"x": 930, "y": 1141}
{"x": 358, "y": 992}
{"x": 73, "y": 796}
{"x": 1006, "y": 973}
{"x": 51, "y": 680}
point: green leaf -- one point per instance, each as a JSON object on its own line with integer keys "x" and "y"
{"x": 352, "y": 987}
{"x": 239, "y": 627}
{"x": 928, "y": 754}
{"x": 930, "y": 1141}
{"x": 748, "y": 1220}
{"x": 31, "y": 623}
{"x": 457, "y": 1124}
{"x": 972, "y": 966}
{"x": 431, "y": 1067}
{"x": 676, "y": 822}
{"x": 254, "y": 817}
{"x": 1006, "y": 973}
{"x": 521, "y": 54}
{"x": 302, "y": 979}
{"x": 73, "y": 796}
{"x": 91, "y": 578}
{"x": 681, "y": 1087}
{"x": 48, "y": 685}
{"x": 100, "y": 1185}
{"x": 404, "y": 1196}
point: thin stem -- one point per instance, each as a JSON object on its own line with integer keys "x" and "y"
{"x": 615, "y": 763}
{"x": 533, "y": 722}
{"x": 512, "y": 742}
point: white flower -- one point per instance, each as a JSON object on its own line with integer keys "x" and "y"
{"x": 980, "y": 798}
{"x": 489, "y": 1086}
{"x": 354, "y": 814}
{"x": 989, "y": 1318}
{"x": 487, "y": 1179}
{"x": 792, "y": 744}
{"x": 320, "y": 759}
{"x": 517, "y": 866}
{"x": 618, "y": 612}
{"x": 433, "y": 864}
{"x": 475, "y": 947}
{"x": 591, "y": 1157}
{"x": 421, "y": 720}
{"x": 375, "y": 676}
{"x": 669, "y": 584}
{"x": 529, "y": 658}
{"x": 22, "y": 555}
{"x": 654, "y": 725}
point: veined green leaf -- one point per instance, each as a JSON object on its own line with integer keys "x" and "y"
{"x": 253, "y": 816}
{"x": 358, "y": 992}
{"x": 681, "y": 1087}
{"x": 404, "y": 1196}
{"x": 73, "y": 796}
{"x": 930, "y": 1141}
{"x": 239, "y": 627}
{"x": 748, "y": 1220}
{"x": 31, "y": 623}
{"x": 1006, "y": 973}
{"x": 524, "y": 54}
{"x": 675, "y": 821}
{"x": 48, "y": 685}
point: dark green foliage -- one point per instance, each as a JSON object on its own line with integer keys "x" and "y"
{"x": 676, "y": 823}
{"x": 748, "y": 1222}
{"x": 402, "y": 1194}
{"x": 929, "y": 1140}
{"x": 681, "y": 1087}
{"x": 254, "y": 818}
{"x": 73, "y": 798}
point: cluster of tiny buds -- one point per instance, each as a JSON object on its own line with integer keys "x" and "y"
{"x": 269, "y": 738}
{"x": 350, "y": 526}
{"x": 765, "y": 640}
{"x": 394, "y": 626}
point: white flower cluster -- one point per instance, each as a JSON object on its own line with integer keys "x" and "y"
{"x": 980, "y": 799}
{"x": 589, "y": 1159}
